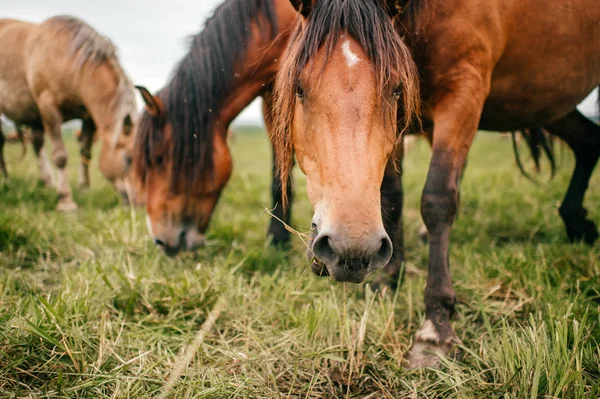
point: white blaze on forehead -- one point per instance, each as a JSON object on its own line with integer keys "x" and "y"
{"x": 351, "y": 58}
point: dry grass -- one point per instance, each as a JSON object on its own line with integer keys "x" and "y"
{"x": 89, "y": 309}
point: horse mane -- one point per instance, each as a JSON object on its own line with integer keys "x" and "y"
{"x": 370, "y": 25}
{"x": 88, "y": 47}
{"x": 413, "y": 14}
{"x": 199, "y": 84}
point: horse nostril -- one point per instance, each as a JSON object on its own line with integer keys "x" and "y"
{"x": 383, "y": 254}
{"x": 159, "y": 243}
{"x": 323, "y": 250}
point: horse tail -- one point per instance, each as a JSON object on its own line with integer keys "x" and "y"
{"x": 539, "y": 143}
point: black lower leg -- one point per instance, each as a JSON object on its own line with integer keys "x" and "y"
{"x": 2, "y": 164}
{"x": 583, "y": 137}
{"x": 392, "y": 201}
{"x": 438, "y": 208}
{"x": 277, "y": 230}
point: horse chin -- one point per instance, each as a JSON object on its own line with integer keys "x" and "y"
{"x": 194, "y": 240}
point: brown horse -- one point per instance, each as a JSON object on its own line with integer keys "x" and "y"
{"x": 181, "y": 157}
{"x": 482, "y": 64}
{"x": 60, "y": 70}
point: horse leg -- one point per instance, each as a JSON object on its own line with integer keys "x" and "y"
{"x": 37, "y": 140}
{"x": 278, "y": 232}
{"x": 456, "y": 117}
{"x": 2, "y": 164}
{"x": 392, "y": 201}
{"x": 583, "y": 136}
{"x": 52, "y": 126}
{"x": 86, "y": 139}
{"x": 280, "y": 236}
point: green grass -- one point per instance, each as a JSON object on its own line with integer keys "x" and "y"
{"x": 90, "y": 309}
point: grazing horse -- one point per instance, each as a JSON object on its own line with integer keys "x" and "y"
{"x": 59, "y": 70}
{"x": 487, "y": 64}
{"x": 181, "y": 157}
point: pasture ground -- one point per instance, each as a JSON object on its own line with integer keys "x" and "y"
{"x": 90, "y": 309}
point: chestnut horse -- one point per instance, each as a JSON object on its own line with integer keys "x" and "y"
{"x": 487, "y": 64}
{"x": 242, "y": 73}
{"x": 181, "y": 156}
{"x": 59, "y": 70}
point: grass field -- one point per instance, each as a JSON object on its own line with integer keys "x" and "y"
{"x": 90, "y": 309}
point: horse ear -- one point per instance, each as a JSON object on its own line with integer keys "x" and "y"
{"x": 153, "y": 104}
{"x": 304, "y": 7}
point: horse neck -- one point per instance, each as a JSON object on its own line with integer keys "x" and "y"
{"x": 259, "y": 66}
{"x": 103, "y": 95}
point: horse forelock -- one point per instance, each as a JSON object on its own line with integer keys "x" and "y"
{"x": 367, "y": 23}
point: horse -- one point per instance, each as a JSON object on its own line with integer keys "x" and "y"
{"x": 59, "y": 70}
{"x": 181, "y": 156}
{"x": 358, "y": 74}
{"x": 250, "y": 79}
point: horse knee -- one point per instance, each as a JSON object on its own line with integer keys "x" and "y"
{"x": 439, "y": 209}
{"x": 60, "y": 159}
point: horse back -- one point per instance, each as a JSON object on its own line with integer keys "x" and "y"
{"x": 538, "y": 59}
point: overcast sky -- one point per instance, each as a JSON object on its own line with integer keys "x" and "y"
{"x": 150, "y": 34}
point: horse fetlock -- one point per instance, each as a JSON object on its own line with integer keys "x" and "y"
{"x": 440, "y": 298}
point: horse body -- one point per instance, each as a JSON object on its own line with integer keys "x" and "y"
{"x": 60, "y": 70}
{"x": 520, "y": 55}
{"x": 16, "y": 100}
{"x": 181, "y": 155}
{"x": 496, "y": 65}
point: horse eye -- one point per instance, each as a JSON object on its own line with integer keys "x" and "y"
{"x": 398, "y": 92}
{"x": 300, "y": 93}
{"x": 158, "y": 160}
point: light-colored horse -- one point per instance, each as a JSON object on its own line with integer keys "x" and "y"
{"x": 59, "y": 70}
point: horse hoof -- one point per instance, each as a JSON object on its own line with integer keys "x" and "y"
{"x": 66, "y": 206}
{"x": 585, "y": 231}
{"x": 429, "y": 346}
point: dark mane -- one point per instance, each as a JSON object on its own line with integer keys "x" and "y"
{"x": 199, "y": 85}
{"x": 371, "y": 26}
{"x": 413, "y": 14}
